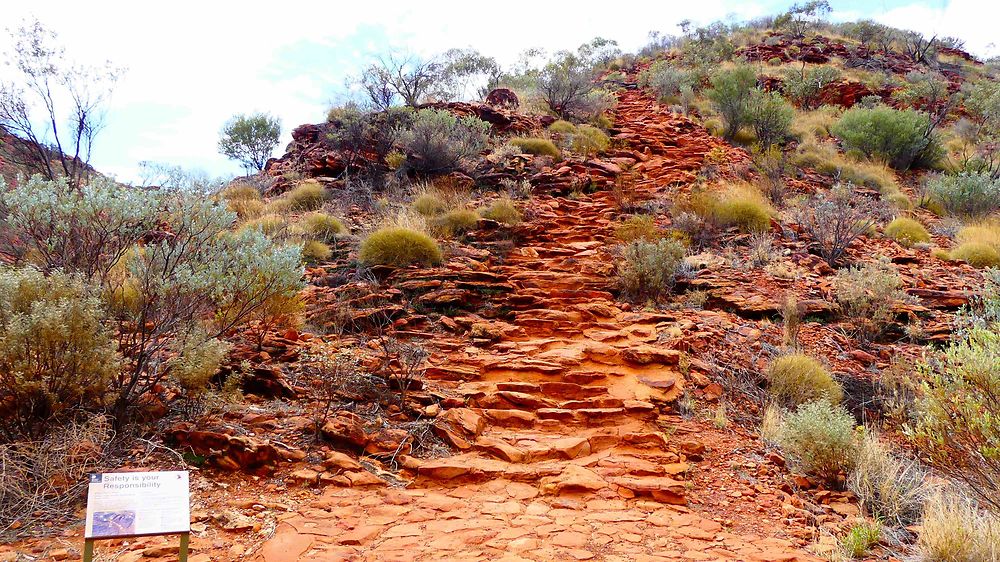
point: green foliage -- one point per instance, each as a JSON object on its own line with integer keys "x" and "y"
{"x": 398, "y": 247}
{"x": 429, "y": 204}
{"x": 438, "y": 142}
{"x": 819, "y": 437}
{"x": 57, "y": 355}
{"x": 907, "y": 231}
{"x": 308, "y": 195}
{"x": 770, "y": 116}
{"x": 958, "y": 422}
{"x": 967, "y": 194}
{"x": 804, "y": 86}
{"x": 825, "y": 159}
{"x": 536, "y": 146}
{"x": 639, "y": 227}
{"x": 457, "y": 221}
{"x": 504, "y": 211}
{"x": 648, "y": 270}
{"x": 250, "y": 139}
{"x": 198, "y": 359}
{"x": 866, "y": 295}
{"x": 896, "y": 137}
{"x": 562, "y": 127}
{"x": 976, "y": 254}
{"x": 157, "y": 290}
{"x": 589, "y": 140}
{"x": 322, "y": 227}
{"x": 665, "y": 80}
{"x": 566, "y": 82}
{"x": 861, "y": 538}
{"x": 744, "y": 209}
{"x": 797, "y": 378}
{"x": 731, "y": 93}
{"x": 315, "y": 251}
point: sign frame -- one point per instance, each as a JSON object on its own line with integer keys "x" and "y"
{"x": 134, "y": 480}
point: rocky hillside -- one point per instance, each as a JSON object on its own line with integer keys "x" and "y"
{"x": 539, "y": 385}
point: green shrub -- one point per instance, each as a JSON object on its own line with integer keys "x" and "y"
{"x": 892, "y": 489}
{"x": 562, "y": 127}
{"x": 730, "y": 94}
{"x": 271, "y": 225}
{"x": 398, "y": 247}
{"x": 770, "y": 116}
{"x": 429, "y": 204}
{"x": 744, "y": 209}
{"x": 907, "y": 231}
{"x": 797, "y": 378}
{"x": 57, "y": 355}
{"x": 503, "y": 211}
{"x": 665, "y": 80}
{"x": 589, "y": 140}
{"x": 648, "y": 270}
{"x": 866, "y": 295}
{"x": 246, "y": 209}
{"x": 896, "y": 137}
{"x": 202, "y": 278}
{"x": 861, "y": 538}
{"x": 322, "y": 227}
{"x": 438, "y": 142}
{"x": 241, "y": 192}
{"x": 197, "y": 361}
{"x": 307, "y": 196}
{"x": 536, "y": 146}
{"x": 639, "y": 227}
{"x": 985, "y": 232}
{"x": 958, "y": 414}
{"x": 976, "y": 254}
{"x": 804, "y": 86}
{"x": 819, "y": 437}
{"x": 457, "y": 221}
{"x": 972, "y": 195}
{"x": 315, "y": 251}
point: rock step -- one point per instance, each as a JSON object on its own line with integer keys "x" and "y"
{"x": 509, "y": 400}
{"x": 555, "y": 389}
{"x": 552, "y": 477}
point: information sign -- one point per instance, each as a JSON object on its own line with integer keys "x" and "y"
{"x": 128, "y": 504}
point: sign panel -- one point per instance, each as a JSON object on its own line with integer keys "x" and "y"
{"x": 127, "y": 504}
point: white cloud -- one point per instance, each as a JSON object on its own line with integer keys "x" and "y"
{"x": 194, "y": 64}
{"x": 971, "y": 20}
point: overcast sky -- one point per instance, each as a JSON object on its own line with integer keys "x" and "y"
{"x": 191, "y": 65}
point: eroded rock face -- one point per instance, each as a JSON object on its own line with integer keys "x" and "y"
{"x": 224, "y": 450}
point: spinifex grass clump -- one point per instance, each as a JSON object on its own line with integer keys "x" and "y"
{"x": 396, "y": 246}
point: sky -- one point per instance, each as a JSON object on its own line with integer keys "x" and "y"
{"x": 192, "y": 65}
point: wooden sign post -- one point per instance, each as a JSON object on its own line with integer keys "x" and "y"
{"x": 137, "y": 504}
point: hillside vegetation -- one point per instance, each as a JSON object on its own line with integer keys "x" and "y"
{"x": 735, "y": 296}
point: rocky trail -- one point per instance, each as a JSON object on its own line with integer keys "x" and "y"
{"x": 568, "y": 447}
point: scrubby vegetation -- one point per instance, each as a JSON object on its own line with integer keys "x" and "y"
{"x": 970, "y": 195}
{"x": 396, "y": 246}
{"x": 192, "y": 286}
{"x": 820, "y": 437}
{"x": 537, "y": 146}
{"x": 797, "y": 378}
{"x": 648, "y": 269}
{"x": 907, "y": 231}
{"x": 892, "y": 136}
{"x": 866, "y": 295}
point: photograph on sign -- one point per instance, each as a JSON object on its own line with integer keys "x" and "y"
{"x": 125, "y": 504}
